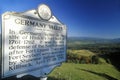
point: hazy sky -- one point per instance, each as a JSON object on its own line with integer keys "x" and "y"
{"x": 86, "y": 18}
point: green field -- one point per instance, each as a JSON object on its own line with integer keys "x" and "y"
{"x": 85, "y": 71}
{"x": 71, "y": 71}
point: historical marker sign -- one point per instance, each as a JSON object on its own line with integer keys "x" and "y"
{"x": 31, "y": 44}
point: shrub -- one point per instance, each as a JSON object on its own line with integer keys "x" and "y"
{"x": 95, "y": 59}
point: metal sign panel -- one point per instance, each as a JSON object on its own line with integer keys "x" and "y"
{"x": 30, "y": 44}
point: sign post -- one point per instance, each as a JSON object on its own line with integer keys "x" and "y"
{"x": 33, "y": 43}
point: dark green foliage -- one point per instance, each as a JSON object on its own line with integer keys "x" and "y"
{"x": 95, "y": 59}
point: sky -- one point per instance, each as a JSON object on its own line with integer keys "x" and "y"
{"x": 84, "y": 18}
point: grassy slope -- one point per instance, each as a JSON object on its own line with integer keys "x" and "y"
{"x": 71, "y": 71}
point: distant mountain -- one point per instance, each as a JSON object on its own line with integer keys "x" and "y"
{"x": 0, "y": 40}
{"x": 90, "y": 40}
{"x": 117, "y": 40}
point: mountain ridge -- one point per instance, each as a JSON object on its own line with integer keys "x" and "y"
{"x": 93, "y": 40}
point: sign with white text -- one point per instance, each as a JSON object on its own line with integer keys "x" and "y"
{"x": 30, "y": 44}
